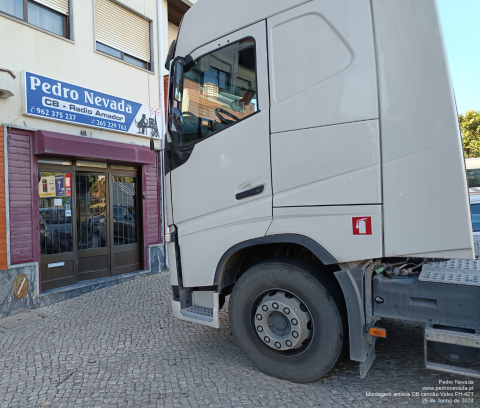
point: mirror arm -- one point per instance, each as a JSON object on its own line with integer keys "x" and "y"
{"x": 187, "y": 63}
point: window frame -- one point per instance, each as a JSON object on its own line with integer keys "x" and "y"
{"x": 150, "y": 65}
{"x": 65, "y": 18}
{"x": 170, "y": 98}
{"x": 122, "y": 58}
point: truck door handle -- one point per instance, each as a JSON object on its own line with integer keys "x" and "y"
{"x": 248, "y": 193}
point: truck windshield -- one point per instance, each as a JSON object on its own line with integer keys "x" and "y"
{"x": 218, "y": 90}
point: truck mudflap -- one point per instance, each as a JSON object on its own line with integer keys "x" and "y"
{"x": 357, "y": 290}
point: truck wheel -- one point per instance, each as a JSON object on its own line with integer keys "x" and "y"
{"x": 288, "y": 319}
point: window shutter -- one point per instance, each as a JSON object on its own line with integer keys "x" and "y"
{"x": 58, "y": 5}
{"x": 121, "y": 29}
{"x": 152, "y": 190}
{"x": 24, "y": 232}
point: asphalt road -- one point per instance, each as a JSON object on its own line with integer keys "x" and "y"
{"x": 121, "y": 346}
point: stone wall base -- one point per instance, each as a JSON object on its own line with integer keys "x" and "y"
{"x": 10, "y": 304}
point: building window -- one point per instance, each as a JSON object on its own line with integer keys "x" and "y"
{"x": 132, "y": 46}
{"x": 50, "y": 15}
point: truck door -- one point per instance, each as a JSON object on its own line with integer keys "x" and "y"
{"x": 218, "y": 148}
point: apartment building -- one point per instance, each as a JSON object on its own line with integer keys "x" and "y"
{"x": 81, "y": 89}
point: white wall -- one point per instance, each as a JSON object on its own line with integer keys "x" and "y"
{"x": 165, "y": 33}
{"x": 172, "y": 33}
{"x": 23, "y": 47}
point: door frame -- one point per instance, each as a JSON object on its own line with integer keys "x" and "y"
{"x": 228, "y": 208}
{"x": 90, "y": 252}
{"x": 112, "y": 169}
{"x": 138, "y": 225}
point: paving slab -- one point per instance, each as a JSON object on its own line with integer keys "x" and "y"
{"x": 20, "y": 319}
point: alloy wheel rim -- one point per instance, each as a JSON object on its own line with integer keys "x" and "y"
{"x": 282, "y": 322}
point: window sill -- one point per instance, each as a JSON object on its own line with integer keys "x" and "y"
{"x": 17, "y": 20}
{"x": 124, "y": 62}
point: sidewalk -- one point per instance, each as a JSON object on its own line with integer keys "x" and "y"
{"x": 120, "y": 346}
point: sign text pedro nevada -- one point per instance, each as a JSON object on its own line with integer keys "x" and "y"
{"x": 56, "y": 100}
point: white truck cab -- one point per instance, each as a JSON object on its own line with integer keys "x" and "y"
{"x": 309, "y": 147}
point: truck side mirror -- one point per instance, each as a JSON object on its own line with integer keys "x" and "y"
{"x": 171, "y": 52}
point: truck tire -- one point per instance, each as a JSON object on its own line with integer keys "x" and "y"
{"x": 289, "y": 319}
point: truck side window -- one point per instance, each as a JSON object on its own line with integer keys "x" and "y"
{"x": 218, "y": 90}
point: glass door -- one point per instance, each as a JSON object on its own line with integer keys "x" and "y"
{"x": 124, "y": 221}
{"x": 57, "y": 262}
{"x": 92, "y": 226}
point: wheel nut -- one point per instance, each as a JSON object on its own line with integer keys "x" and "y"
{"x": 259, "y": 317}
{"x": 265, "y": 308}
{"x": 267, "y": 339}
{"x": 295, "y": 334}
{"x": 260, "y": 329}
{"x": 278, "y": 345}
{"x": 275, "y": 305}
{"x": 286, "y": 310}
{"x": 288, "y": 343}
{"x": 294, "y": 322}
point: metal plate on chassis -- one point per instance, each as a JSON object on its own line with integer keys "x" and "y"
{"x": 476, "y": 244}
{"x": 455, "y": 271}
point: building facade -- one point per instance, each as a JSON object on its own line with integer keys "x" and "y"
{"x": 81, "y": 89}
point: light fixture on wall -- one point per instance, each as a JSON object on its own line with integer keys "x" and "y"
{"x": 153, "y": 148}
{"x": 6, "y": 83}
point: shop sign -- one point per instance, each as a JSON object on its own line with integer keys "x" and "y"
{"x": 49, "y": 98}
{"x": 68, "y": 185}
{"x": 47, "y": 187}
{"x": 59, "y": 186}
{"x": 55, "y": 186}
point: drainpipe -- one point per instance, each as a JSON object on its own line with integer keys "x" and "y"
{"x": 161, "y": 64}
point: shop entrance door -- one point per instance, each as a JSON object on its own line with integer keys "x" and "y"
{"x": 89, "y": 222}
{"x": 91, "y": 206}
{"x": 57, "y": 250}
{"x": 126, "y": 248}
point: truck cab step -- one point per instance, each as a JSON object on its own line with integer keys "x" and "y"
{"x": 453, "y": 370}
{"x": 198, "y": 313}
{"x": 205, "y": 309}
{"x": 456, "y": 338}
